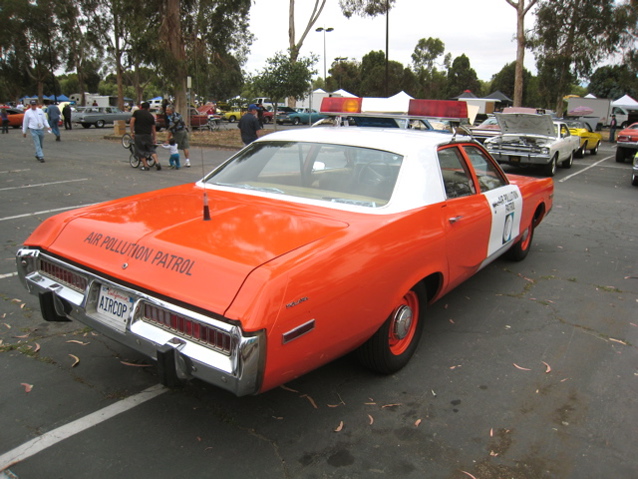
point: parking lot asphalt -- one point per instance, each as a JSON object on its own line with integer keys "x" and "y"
{"x": 528, "y": 370}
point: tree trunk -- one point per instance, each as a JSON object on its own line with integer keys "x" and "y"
{"x": 521, "y": 11}
{"x": 172, "y": 32}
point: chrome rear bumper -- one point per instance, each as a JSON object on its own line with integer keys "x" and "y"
{"x": 73, "y": 293}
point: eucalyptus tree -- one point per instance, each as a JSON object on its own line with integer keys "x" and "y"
{"x": 572, "y": 36}
{"x": 521, "y": 44}
{"x": 432, "y": 82}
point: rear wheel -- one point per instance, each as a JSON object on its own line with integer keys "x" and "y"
{"x": 134, "y": 161}
{"x": 396, "y": 341}
{"x": 569, "y": 161}
{"x": 296, "y": 121}
{"x": 232, "y": 119}
{"x": 634, "y": 180}
{"x": 520, "y": 249}
{"x": 100, "y": 124}
{"x": 581, "y": 151}
{"x": 594, "y": 150}
{"x": 126, "y": 140}
{"x": 86, "y": 125}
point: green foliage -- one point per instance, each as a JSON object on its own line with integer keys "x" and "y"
{"x": 571, "y": 37}
{"x": 504, "y": 81}
{"x": 462, "y": 77}
{"x": 283, "y": 78}
{"x": 365, "y": 8}
{"x": 614, "y": 82}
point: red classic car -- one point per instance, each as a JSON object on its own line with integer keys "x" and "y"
{"x": 302, "y": 247}
{"x": 15, "y": 116}
{"x": 198, "y": 119}
{"x": 627, "y": 143}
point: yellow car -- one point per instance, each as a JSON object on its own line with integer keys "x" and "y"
{"x": 232, "y": 116}
{"x": 589, "y": 140}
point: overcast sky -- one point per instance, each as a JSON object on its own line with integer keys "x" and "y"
{"x": 483, "y": 30}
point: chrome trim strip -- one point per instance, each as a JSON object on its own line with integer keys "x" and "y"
{"x": 240, "y": 372}
{"x": 299, "y": 331}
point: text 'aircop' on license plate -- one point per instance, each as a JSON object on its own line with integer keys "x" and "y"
{"x": 114, "y": 307}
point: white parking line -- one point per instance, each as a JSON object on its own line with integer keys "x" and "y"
{"x": 44, "y": 212}
{"x": 14, "y": 171}
{"x": 8, "y": 275}
{"x": 41, "y": 184}
{"x": 584, "y": 169}
{"x": 51, "y": 438}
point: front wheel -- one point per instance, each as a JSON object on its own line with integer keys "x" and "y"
{"x": 550, "y": 168}
{"x": 232, "y": 119}
{"x": 134, "y": 161}
{"x": 296, "y": 121}
{"x": 86, "y": 125}
{"x": 100, "y": 124}
{"x": 396, "y": 341}
{"x": 620, "y": 155}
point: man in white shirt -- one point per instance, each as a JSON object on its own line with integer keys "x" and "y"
{"x": 35, "y": 121}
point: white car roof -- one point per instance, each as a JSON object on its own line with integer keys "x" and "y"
{"x": 396, "y": 140}
{"x": 419, "y": 182}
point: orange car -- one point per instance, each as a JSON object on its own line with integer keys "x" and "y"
{"x": 15, "y": 116}
{"x": 306, "y": 245}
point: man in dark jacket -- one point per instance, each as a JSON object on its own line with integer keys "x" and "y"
{"x": 144, "y": 134}
{"x": 249, "y": 125}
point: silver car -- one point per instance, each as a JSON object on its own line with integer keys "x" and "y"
{"x": 98, "y": 115}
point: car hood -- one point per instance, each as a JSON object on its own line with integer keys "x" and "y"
{"x": 525, "y": 124}
{"x": 159, "y": 241}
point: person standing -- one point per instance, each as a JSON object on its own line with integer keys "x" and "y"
{"x": 612, "y": 129}
{"x": 248, "y": 125}
{"x": 260, "y": 113}
{"x": 54, "y": 118}
{"x": 177, "y": 130}
{"x": 143, "y": 132}
{"x": 66, "y": 113}
{"x": 35, "y": 121}
{"x": 5, "y": 120}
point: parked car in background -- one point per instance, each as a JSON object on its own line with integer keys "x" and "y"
{"x": 321, "y": 242}
{"x": 303, "y": 117}
{"x": 627, "y": 143}
{"x": 489, "y": 128}
{"x": 589, "y": 139}
{"x": 634, "y": 171}
{"x": 15, "y": 116}
{"x": 98, "y": 116}
{"x": 198, "y": 119}
{"x": 233, "y": 115}
{"x": 533, "y": 140}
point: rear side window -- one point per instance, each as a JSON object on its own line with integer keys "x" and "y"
{"x": 488, "y": 174}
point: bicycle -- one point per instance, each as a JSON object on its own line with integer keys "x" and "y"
{"x": 134, "y": 160}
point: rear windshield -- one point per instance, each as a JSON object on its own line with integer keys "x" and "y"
{"x": 317, "y": 171}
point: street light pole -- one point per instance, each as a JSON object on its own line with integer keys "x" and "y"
{"x": 324, "y": 30}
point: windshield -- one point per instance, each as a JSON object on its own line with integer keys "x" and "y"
{"x": 315, "y": 171}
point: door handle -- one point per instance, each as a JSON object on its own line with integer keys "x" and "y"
{"x": 454, "y": 219}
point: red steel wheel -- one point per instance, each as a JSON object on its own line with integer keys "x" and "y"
{"x": 396, "y": 341}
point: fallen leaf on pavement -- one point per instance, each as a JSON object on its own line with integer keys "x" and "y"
{"x": 77, "y": 342}
{"x": 468, "y": 474}
{"x": 77, "y": 360}
{"x": 27, "y": 387}
{"x": 37, "y": 348}
{"x": 548, "y": 368}
{"x": 288, "y": 389}
{"x": 135, "y": 365}
{"x": 312, "y": 401}
{"x": 520, "y": 367}
{"x": 371, "y": 419}
{"x": 417, "y": 422}
{"x": 339, "y": 427}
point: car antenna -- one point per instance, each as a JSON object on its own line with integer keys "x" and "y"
{"x": 206, "y": 209}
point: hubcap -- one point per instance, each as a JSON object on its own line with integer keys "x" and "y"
{"x": 402, "y": 322}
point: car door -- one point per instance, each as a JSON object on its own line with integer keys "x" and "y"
{"x": 466, "y": 216}
{"x": 504, "y": 200}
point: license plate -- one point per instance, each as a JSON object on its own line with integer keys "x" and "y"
{"x": 114, "y": 307}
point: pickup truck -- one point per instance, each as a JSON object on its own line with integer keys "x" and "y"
{"x": 529, "y": 139}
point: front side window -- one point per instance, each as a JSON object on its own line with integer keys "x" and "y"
{"x": 488, "y": 174}
{"x": 316, "y": 171}
{"x": 456, "y": 179}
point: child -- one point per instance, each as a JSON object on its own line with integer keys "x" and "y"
{"x": 172, "y": 149}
